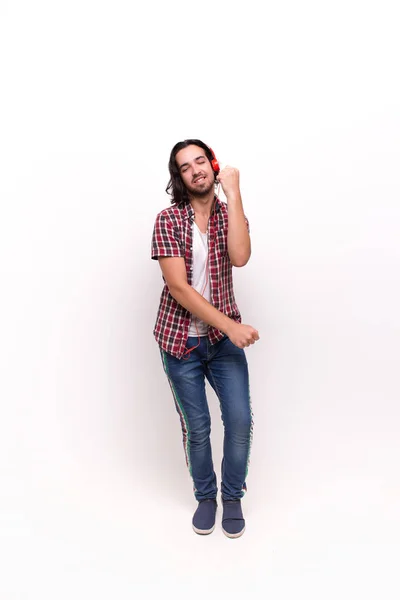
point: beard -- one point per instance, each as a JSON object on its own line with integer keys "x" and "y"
{"x": 197, "y": 192}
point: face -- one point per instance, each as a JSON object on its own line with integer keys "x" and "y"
{"x": 196, "y": 170}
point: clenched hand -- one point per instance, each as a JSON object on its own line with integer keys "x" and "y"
{"x": 242, "y": 335}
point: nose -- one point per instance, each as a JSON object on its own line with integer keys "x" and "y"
{"x": 196, "y": 170}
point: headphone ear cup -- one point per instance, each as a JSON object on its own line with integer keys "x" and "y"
{"x": 215, "y": 166}
{"x": 214, "y": 162}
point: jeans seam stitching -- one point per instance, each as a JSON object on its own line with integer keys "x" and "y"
{"x": 177, "y": 402}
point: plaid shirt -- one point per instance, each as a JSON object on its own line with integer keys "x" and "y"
{"x": 173, "y": 236}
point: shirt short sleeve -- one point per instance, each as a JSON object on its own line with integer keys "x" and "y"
{"x": 165, "y": 241}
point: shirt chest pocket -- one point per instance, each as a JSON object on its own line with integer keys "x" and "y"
{"x": 180, "y": 239}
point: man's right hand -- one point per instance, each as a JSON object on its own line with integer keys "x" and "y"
{"x": 242, "y": 335}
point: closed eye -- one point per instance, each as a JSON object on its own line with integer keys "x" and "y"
{"x": 198, "y": 160}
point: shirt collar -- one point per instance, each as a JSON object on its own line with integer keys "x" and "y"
{"x": 188, "y": 212}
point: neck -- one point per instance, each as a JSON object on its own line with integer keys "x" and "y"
{"x": 203, "y": 206}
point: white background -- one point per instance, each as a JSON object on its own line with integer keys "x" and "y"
{"x": 303, "y": 97}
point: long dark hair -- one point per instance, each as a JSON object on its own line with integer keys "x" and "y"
{"x": 176, "y": 188}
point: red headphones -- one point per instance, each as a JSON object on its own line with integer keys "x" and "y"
{"x": 214, "y": 162}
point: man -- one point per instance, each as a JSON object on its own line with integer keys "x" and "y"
{"x": 198, "y": 326}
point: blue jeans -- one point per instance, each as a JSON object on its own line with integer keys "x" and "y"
{"x": 225, "y": 367}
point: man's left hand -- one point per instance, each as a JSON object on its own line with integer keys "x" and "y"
{"x": 229, "y": 179}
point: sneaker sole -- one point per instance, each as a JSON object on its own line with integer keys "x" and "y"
{"x": 234, "y": 535}
{"x": 203, "y": 531}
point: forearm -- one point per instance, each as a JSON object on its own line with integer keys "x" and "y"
{"x": 239, "y": 246}
{"x": 190, "y": 299}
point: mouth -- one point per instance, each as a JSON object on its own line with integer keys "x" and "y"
{"x": 199, "y": 179}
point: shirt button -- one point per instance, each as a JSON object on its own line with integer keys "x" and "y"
{"x": 191, "y": 248}
{"x": 191, "y": 268}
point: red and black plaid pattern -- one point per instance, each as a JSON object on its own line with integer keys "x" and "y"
{"x": 173, "y": 236}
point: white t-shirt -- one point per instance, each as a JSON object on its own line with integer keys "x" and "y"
{"x": 200, "y": 276}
